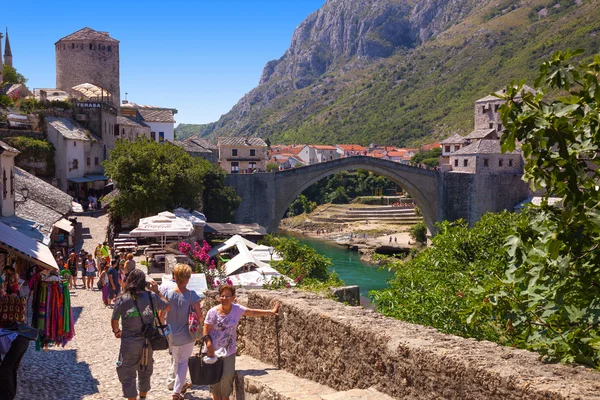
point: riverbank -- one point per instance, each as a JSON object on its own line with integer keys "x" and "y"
{"x": 368, "y": 238}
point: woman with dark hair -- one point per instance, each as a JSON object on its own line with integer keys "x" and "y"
{"x": 114, "y": 287}
{"x": 136, "y": 307}
{"x": 220, "y": 325}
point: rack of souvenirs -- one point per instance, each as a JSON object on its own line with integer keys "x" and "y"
{"x": 52, "y": 313}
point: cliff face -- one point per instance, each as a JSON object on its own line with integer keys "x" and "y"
{"x": 354, "y": 59}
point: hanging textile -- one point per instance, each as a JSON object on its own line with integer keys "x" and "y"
{"x": 52, "y": 314}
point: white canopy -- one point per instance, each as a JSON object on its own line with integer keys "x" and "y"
{"x": 65, "y": 225}
{"x": 162, "y": 225}
{"x": 257, "y": 277}
{"x": 196, "y": 217}
{"x": 30, "y": 249}
{"x": 234, "y": 241}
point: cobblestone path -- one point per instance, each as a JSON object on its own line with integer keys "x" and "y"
{"x": 85, "y": 367}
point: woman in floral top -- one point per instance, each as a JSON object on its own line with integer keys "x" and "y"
{"x": 221, "y": 325}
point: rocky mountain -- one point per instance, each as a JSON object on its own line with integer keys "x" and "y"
{"x": 403, "y": 72}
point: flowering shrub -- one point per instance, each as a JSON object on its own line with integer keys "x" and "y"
{"x": 215, "y": 273}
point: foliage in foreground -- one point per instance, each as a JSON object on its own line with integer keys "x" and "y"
{"x": 434, "y": 288}
{"x": 154, "y": 177}
{"x": 303, "y": 264}
{"x": 550, "y": 296}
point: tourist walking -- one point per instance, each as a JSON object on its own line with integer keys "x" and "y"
{"x": 103, "y": 278}
{"x": 90, "y": 271}
{"x": 72, "y": 267}
{"x": 220, "y": 324}
{"x": 181, "y": 302}
{"x": 98, "y": 254}
{"x": 135, "y": 308}
{"x": 114, "y": 287}
{"x": 129, "y": 263}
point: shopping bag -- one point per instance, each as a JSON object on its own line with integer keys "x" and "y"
{"x": 194, "y": 327}
{"x": 203, "y": 373}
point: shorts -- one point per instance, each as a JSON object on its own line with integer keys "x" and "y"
{"x": 90, "y": 274}
{"x": 73, "y": 271}
{"x": 225, "y": 386}
{"x": 113, "y": 293}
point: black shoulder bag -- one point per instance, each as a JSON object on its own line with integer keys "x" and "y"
{"x": 153, "y": 332}
{"x": 203, "y": 373}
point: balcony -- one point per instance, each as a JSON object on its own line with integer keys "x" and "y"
{"x": 243, "y": 158}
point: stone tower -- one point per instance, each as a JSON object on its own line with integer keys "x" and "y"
{"x": 7, "y": 52}
{"x": 88, "y": 56}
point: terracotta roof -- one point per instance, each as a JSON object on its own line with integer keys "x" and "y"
{"x": 241, "y": 141}
{"x": 130, "y": 121}
{"x": 430, "y": 146}
{"x": 70, "y": 129}
{"x": 454, "y": 139}
{"x": 322, "y": 147}
{"x": 157, "y": 115}
{"x": 351, "y": 147}
{"x": 42, "y": 192}
{"x": 482, "y": 134}
{"x": 6, "y": 147}
{"x": 484, "y": 146}
{"x": 399, "y": 153}
{"x": 89, "y": 34}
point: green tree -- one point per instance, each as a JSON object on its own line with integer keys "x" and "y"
{"x": 153, "y": 177}
{"x": 418, "y": 232}
{"x": 550, "y": 295}
{"x": 10, "y": 75}
{"x": 272, "y": 167}
{"x": 32, "y": 151}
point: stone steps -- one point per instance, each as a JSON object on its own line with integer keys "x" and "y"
{"x": 256, "y": 380}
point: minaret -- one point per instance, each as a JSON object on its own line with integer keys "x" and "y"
{"x": 1, "y": 36}
{"x": 7, "y": 52}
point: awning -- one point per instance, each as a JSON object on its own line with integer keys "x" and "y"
{"x": 83, "y": 179}
{"x": 93, "y": 178}
{"x": 32, "y": 250}
{"x": 65, "y": 225}
{"x": 162, "y": 225}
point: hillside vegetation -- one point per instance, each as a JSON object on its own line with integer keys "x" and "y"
{"x": 183, "y": 131}
{"x": 423, "y": 90}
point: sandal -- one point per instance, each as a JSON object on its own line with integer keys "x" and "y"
{"x": 185, "y": 388}
{"x": 177, "y": 397}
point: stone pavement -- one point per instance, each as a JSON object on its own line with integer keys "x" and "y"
{"x": 85, "y": 367}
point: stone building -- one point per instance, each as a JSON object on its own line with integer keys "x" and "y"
{"x": 131, "y": 128}
{"x": 313, "y": 154}
{"x": 484, "y": 157}
{"x": 198, "y": 147}
{"x": 487, "y": 111}
{"x": 160, "y": 119}
{"x": 450, "y": 145}
{"x": 242, "y": 154}
{"x": 88, "y": 56}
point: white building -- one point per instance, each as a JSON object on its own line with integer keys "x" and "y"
{"x": 160, "y": 120}
{"x": 313, "y": 154}
{"x": 7, "y": 179}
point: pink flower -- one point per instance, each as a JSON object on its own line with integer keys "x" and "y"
{"x": 229, "y": 282}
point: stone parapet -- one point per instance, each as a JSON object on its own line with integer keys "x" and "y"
{"x": 347, "y": 348}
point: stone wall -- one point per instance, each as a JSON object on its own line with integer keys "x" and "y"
{"x": 4, "y": 133}
{"x": 347, "y": 347}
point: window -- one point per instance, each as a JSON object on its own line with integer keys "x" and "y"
{"x": 234, "y": 152}
{"x": 75, "y": 163}
{"x": 74, "y": 143}
{"x": 483, "y": 110}
{"x": 465, "y": 163}
{"x": 457, "y": 147}
{"x": 499, "y": 127}
{"x": 153, "y": 136}
{"x": 252, "y": 153}
{"x": 91, "y": 46}
{"x": 500, "y": 162}
{"x": 235, "y": 167}
{"x": 252, "y": 165}
{"x": 89, "y": 161}
{"x": 123, "y": 131}
{"x": 161, "y": 137}
{"x": 491, "y": 125}
{"x": 72, "y": 45}
{"x": 447, "y": 149}
{"x": 4, "y": 191}
{"x": 496, "y": 107}
{"x": 110, "y": 48}
{"x": 12, "y": 182}
{"x": 485, "y": 162}
{"x": 96, "y": 161}
{"x": 456, "y": 163}
{"x": 510, "y": 163}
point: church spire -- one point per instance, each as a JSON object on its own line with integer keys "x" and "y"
{"x": 1, "y": 36}
{"x": 7, "y": 51}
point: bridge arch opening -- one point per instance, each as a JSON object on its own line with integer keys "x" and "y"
{"x": 420, "y": 184}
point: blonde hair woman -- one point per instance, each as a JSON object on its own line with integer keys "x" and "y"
{"x": 182, "y": 345}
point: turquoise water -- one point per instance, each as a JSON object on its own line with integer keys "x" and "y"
{"x": 348, "y": 266}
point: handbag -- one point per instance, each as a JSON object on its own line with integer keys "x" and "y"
{"x": 194, "y": 327}
{"x": 12, "y": 309}
{"x": 155, "y": 334}
{"x": 99, "y": 284}
{"x": 203, "y": 373}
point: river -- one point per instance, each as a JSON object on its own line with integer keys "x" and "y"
{"x": 348, "y": 266}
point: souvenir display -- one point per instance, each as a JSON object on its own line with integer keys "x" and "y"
{"x": 52, "y": 314}
{"x": 12, "y": 309}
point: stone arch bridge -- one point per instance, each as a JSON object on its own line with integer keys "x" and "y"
{"x": 267, "y": 196}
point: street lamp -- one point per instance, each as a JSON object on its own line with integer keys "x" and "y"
{"x": 271, "y": 251}
{"x": 24, "y": 193}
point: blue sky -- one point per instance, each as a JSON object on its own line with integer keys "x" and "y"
{"x": 199, "y": 56}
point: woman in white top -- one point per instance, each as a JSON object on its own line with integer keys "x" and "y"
{"x": 90, "y": 271}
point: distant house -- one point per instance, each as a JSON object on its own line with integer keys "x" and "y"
{"x": 313, "y": 154}
{"x": 347, "y": 150}
{"x": 78, "y": 157}
{"x": 161, "y": 120}
{"x": 198, "y": 147}
{"x": 132, "y": 128}
{"x": 484, "y": 157}
{"x": 285, "y": 161}
{"x": 450, "y": 145}
{"x": 242, "y": 154}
